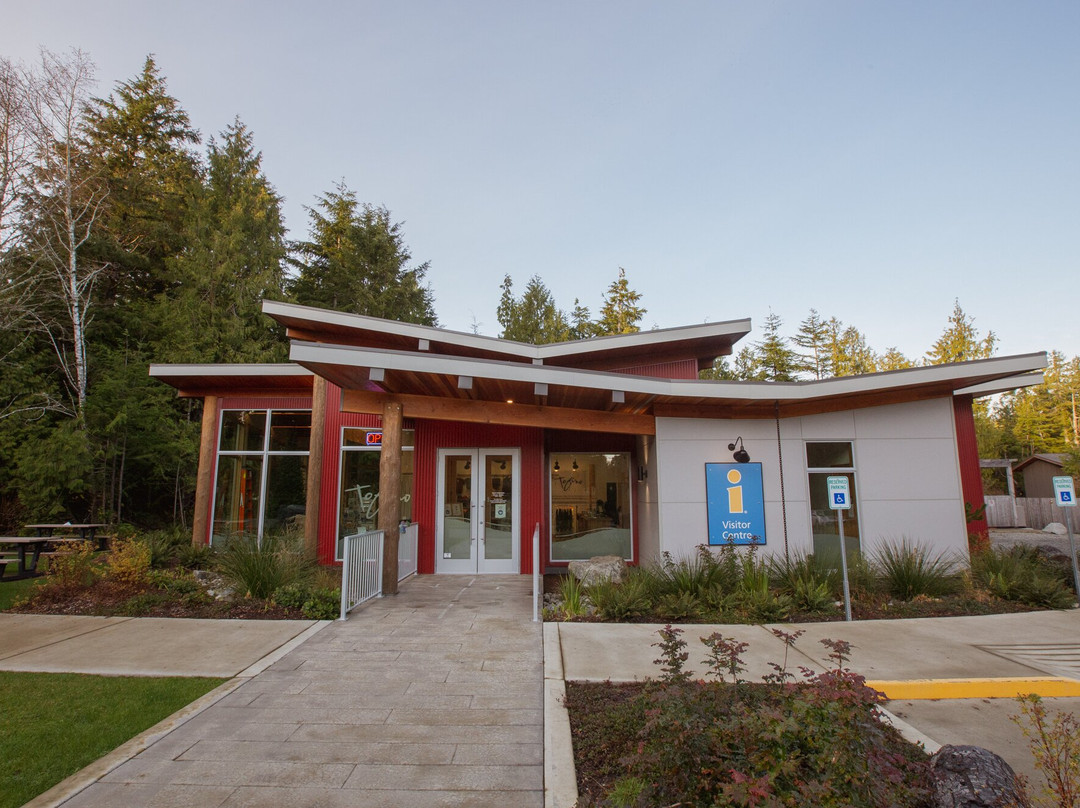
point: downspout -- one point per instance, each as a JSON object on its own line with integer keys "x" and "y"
{"x": 780, "y": 457}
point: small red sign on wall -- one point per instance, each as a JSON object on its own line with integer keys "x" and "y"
{"x": 373, "y": 438}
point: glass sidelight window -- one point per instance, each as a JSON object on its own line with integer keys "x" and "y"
{"x": 358, "y": 499}
{"x": 823, "y": 460}
{"x": 261, "y": 484}
{"x": 591, "y": 513}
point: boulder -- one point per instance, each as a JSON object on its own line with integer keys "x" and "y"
{"x": 597, "y": 569}
{"x": 973, "y": 777}
{"x": 1056, "y": 528}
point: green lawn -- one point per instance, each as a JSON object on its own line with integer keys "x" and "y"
{"x": 10, "y": 590}
{"x": 53, "y": 724}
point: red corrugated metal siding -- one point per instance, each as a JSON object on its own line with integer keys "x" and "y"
{"x": 967, "y": 448}
{"x": 328, "y": 493}
{"x": 434, "y": 435}
{"x": 683, "y": 369}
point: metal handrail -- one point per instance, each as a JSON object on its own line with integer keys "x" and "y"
{"x": 537, "y": 586}
{"x": 361, "y": 569}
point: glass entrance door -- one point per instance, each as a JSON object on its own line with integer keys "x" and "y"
{"x": 478, "y": 510}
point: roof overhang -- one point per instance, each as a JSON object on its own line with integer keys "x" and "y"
{"x": 464, "y": 379}
{"x": 196, "y": 381}
{"x": 702, "y": 343}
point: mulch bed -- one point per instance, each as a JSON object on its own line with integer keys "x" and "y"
{"x": 106, "y": 602}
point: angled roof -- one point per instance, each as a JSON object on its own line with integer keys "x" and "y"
{"x": 702, "y": 343}
{"x": 421, "y": 374}
{"x": 220, "y": 379}
{"x": 1053, "y": 458}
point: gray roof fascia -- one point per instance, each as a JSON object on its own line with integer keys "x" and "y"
{"x": 164, "y": 371}
{"x": 352, "y": 356}
{"x": 731, "y": 328}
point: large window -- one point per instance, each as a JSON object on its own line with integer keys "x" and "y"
{"x": 261, "y": 484}
{"x": 823, "y": 460}
{"x": 358, "y": 500}
{"x": 591, "y": 513}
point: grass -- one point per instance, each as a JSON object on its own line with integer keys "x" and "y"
{"x": 10, "y": 591}
{"x": 54, "y": 724}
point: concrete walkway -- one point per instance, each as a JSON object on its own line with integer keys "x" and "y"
{"x": 430, "y": 698}
{"x": 140, "y": 646}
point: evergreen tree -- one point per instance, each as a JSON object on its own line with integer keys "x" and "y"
{"x": 776, "y": 361}
{"x": 960, "y": 342}
{"x": 748, "y": 365}
{"x": 142, "y": 138}
{"x": 893, "y": 359}
{"x": 356, "y": 261}
{"x": 620, "y": 313}
{"x": 811, "y": 338}
{"x": 582, "y": 325}
{"x": 235, "y": 258}
{"x": 534, "y": 318}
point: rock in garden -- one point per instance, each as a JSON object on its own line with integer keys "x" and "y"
{"x": 598, "y": 568}
{"x": 1056, "y": 528}
{"x": 973, "y": 777}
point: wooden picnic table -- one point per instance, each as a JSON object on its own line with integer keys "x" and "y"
{"x": 87, "y": 531}
{"x": 23, "y": 544}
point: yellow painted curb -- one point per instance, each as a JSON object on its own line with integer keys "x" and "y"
{"x": 1004, "y": 688}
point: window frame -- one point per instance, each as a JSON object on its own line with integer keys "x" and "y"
{"x": 851, "y": 469}
{"x": 549, "y": 458}
{"x": 264, "y": 454}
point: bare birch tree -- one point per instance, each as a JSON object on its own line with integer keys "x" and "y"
{"x": 64, "y": 201}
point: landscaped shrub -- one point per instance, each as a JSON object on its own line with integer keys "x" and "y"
{"x": 322, "y": 604}
{"x": 71, "y": 568}
{"x": 195, "y": 556}
{"x": 572, "y": 595}
{"x": 812, "y": 584}
{"x": 619, "y": 601}
{"x": 128, "y": 563}
{"x": 165, "y": 544}
{"x": 910, "y": 570}
{"x": 1021, "y": 574}
{"x": 259, "y": 570}
{"x": 682, "y": 742}
{"x": 1054, "y": 740}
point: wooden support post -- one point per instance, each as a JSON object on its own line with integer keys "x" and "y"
{"x": 390, "y": 493}
{"x": 204, "y": 480}
{"x": 315, "y": 465}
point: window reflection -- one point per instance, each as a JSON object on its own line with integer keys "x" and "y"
{"x": 590, "y": 505}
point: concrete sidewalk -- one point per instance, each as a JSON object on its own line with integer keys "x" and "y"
{"x": 429, "y": 698}
{"x": 143, "y": 646}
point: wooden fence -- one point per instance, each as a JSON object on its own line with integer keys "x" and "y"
{"x": 1005, "y": 511}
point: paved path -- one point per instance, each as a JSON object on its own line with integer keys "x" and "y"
{"x": 430, "y": 698}
{"x": 140, "y": 646}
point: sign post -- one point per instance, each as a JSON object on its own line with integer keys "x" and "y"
{"x": 1066, "y": 498}
{"x": 840, "y": 501}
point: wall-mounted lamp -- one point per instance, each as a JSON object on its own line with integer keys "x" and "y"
{"x": 574, "y": 465}
{"x": 502, "y": 466}
{"x": 468, "y": 465}
{"x": 555, "y": 468}
{"x": 740, "y": 454}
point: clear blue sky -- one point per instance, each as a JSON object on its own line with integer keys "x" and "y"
{"x": 871, "y": 160}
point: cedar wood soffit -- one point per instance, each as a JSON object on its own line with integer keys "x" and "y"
{"x": 494, "y": 391}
